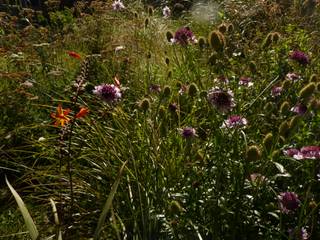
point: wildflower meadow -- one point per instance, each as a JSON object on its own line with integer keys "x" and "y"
{"x": 160, "y": 120}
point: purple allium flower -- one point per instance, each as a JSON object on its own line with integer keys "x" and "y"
{"x": 173, "y": 107}
{"x": 117, "y": 5}
{"x": 245, "y": 81}
{"x": 155, "y": 88}
{"x": 300, "y": 57}
{"x": 108, "y": 92}
{"x": 234, "y": 121}
{"x": 276, "y": 91}
{"x": 310, "y": 152}
{"x": 221, "y": 99}
{"x": 298, "y": 234}
{"x": 299, "y": 109}
{"x": 293, "y": 77}
{"x": 184, "y": 36}
{"x": 166, "y": 12}
{"x": 188, "y": 132}
{"x": 288, "y": 202}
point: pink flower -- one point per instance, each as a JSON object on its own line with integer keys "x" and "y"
{"x": 235, "y": 121}
{"x": 221, "y": 99}
{"x": 288, "y": 202}
{"x": 108, "y": 92}
{"x": 117, "y": 5}
{"x": 245, "y": 81}
{"x": 184, "y": 36}
{"x": 276, "y": 91}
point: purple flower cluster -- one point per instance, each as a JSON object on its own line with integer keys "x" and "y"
{"x": 184, "y": 36}
{"x": 288, "y": 202}
{"x": 234, "y": 121}
{"x": 298, "y": 234}
{"x": 300, "y": 57}
{"x": 108, "y": 92}
{"x": 276, "y": 91}
{"x": 307, "y": 152}
{"x": 299, "y": 109}
{"x": 221, "y": 99}
{"x": 188, "y": 132}
{"x": 293, "y": 77}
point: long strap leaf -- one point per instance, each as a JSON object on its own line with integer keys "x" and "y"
{"x": 33, "y": 231}
{"x": 108, "y": 203}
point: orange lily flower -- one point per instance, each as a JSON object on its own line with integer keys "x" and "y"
{"x": 61, "y": 116}
{"x": 83, "y": 112}
{"x": 74, "y": 54}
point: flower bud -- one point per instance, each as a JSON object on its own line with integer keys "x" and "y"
{"x": 169, "y": 36}
{"x": 202, "y": 42}
{"x": 217, "y": 41}
{"x": 307, "y": 91}
{"x": 285, "y": 107}
{"x": 268, "y": 142}
{"x": 145, "y": 104}
{"x": 166, "y": 91}
{"x": 313, "y": 78}
{"x": 253, "y": 153}
{"x": 284, "y": 129}
{"x": 193, "y": 90}
{"x": 286, "y": 84}
{"x": 222, "y": 28}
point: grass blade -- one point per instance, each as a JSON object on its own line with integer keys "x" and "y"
{"x": 108, "y": 203}
{"x": 33, "y": 231}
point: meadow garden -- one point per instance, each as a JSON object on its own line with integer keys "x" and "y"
{"x": 160, "y": 120}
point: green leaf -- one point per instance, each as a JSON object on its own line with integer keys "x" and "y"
{"x": 33, "y": 231}
{"x": 108, "y": 203}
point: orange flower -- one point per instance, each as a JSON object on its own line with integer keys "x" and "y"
{"x": 74, "y": 54}
{"x": 61, "y": 116}
{"x": 83, "y": 112}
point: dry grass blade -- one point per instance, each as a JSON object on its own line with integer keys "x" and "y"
{"x": 107, "y": 206}
{"x": 25, "y": 213}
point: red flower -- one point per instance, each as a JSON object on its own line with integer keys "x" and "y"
{"x": 74, "y": 54}
{"x": 83, "y": 112}
{"x": 61, "y": 116}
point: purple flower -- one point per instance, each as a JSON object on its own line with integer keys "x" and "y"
{"x": 299, "y": 109}
{"x": 234, "y": 121}
{"x": 221, "y": 99}
{"x": 288, "y": 202}
{"x": 155, "y": 88}
{"x": 298, "y": 234}
{"x": 300, "y": 57}
{"x": 293, "y": 77}
{"x": 245, "y": 81}
{"x": 276, "y": 91}
{"x": 173, "y": 107}
{"x": 108, "y": 92}
{"x": 184, "y": 36}
{"x": 166, "y": 12}
{"x": 291, "y": 152}
{"x": 188, "y": 132}
{"x": 310, "y": 152}
{"x": 117, "y": 5}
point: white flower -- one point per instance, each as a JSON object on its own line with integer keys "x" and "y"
{"x": 117, "y": 5}
{"x": 166, "y": 12}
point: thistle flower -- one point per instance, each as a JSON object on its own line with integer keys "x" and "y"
{"x": 235, "y": 121}
{"x": 293, "y": 77}
{"x": 117, "y": 5}
{"x": 166, "y": 12}
{"x": 292, "y": 152}
{"x": 188, "y": 132}
{"x": 245, "y": 81}
{"x": 108, "y": 92}
{"x": 310, "y": 152}
{"x": 276, "y": 91}
{"x": 299, "y": 109}
{"x": 300, "y": 57}
{"x": 298, "y": 234}
{"x": 221, "y": 99}
{"x": 184, "y": 36}
{"x": 288, "y": 202}
{"x": 155, "y": 88}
